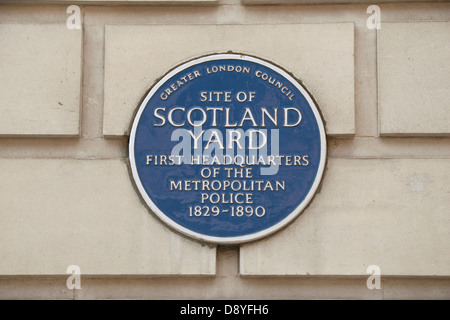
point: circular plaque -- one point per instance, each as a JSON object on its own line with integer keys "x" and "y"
{"x": 227, "y": 148}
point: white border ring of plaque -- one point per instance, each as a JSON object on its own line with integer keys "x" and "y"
{"x": 241, "y": 238}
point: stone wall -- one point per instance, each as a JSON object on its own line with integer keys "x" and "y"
{"x": 67, "y": 101}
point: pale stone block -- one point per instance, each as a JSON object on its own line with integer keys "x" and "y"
{"x": 40, "y": 77}
{"x": 288, "y": 2}
{"x": 116, "y": 2}
{"x": 389, "y": 213}
{"x": 56, "y": 213}
{"x": 32, "y": 288}
{"x": 321, "y": 55}
{"x": 414, "y": 78}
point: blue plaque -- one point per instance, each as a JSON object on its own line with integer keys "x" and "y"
{"x": 227, "y": 148}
